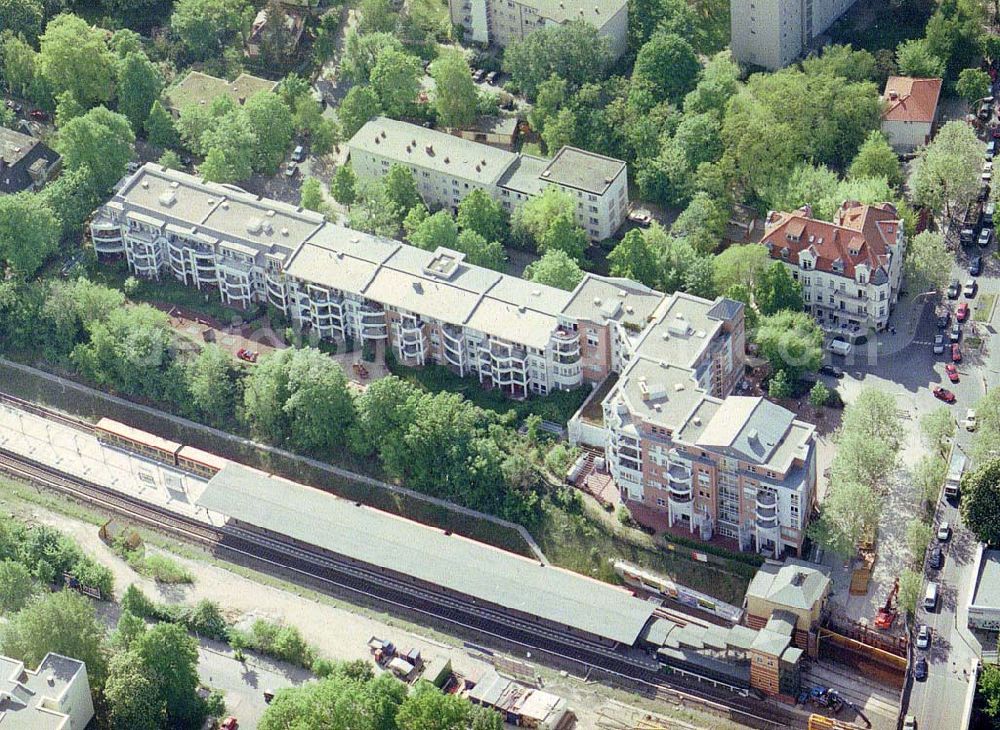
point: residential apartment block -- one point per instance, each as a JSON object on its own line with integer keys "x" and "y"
{"x": 447, "y": 168}
{"x": 850, "y": 270}
{"x": 56, "y": 696}
{"x": 678, "y": 444}
{"x": 774, "y": 33}
{"x": 501, "y": 22}
{"x": 339, "y": 283}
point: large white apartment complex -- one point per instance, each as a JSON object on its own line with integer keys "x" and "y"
{"x": 447, "y": 168}
{"x": 56, "y": 696}
{"x": 773, "y": 33}
{"x": 522, "y": 337}
{"x": 501, "y": 22}
{"x": 850, "y": 270}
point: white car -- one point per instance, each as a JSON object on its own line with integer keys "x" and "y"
{"x": 988, "y": 166}
{"x": 910, "y": 723}
{"x": 969, "y": 290}
{"x": 944, "y": 532}
{"x": 923, "y": 636}
{"x": 970, "y": 420}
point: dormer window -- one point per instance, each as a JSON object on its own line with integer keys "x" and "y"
{"x": 784, "y": 253}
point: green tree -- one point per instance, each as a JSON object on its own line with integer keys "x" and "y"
{"x": 775, "y": 290}
{"x": 555, "y": 268}
{"x": 483, "y": 214}
{"x": 634, "y": 258}
{"x": 171, "y": 160}
{"x": 819, "y": 395}
{"x": 849, "y": 514}
{"x": 67, "y": 108}
{"x": 211, "y": 381}
{"x": 312, "y": 195}
{"x": 169, "y": 657}
{"x": 401, "y": 190}
{"x": 573, "y": 51}
{"x": 918, "y": 536}
{"x": 270, "y": 120}
{"x": 22, "y": 17}
{"x": 359, "y": 106}
{"x": 100, "y": 141}
{"x": 876, "y": 158}
{"x": 560, "y": 130}
{"x": 790, "y": 341}
{"x": 779, "y": 385}
{"x": 563, "y": 234}
{"x": 73, "y": 56}
{"x": 63, "y": 623}
{"x": 72, "y": 197}
{"x": 700, "y": 137}
{"x": 427, "y": 708}
{"x": 231, "y": 148}
{"x": 936, "y": 428}
{"x": 16, "y": 586}
{"x": 436, "y": 230}
{"x": 928, "y": 476}
{"x": 945, "y": 173}
{"x": 981, "y": 502}
{"x": 665, "y": 178}
{"x": 533, "y": 219}
{"x": 455, "y": 92}
{"x": 874, "y": 416}
{"x": 668, "y": 64}
{"x": 989, "y": 689}
{"x": 480, "y": 252}
{"x": 21, "y": 70}
{"x": 740, "y": 266}
{"x": 343, "y": 187}
{"x": 973, "y": 84}
{"x": 910, "y": 586}
{"x": 361, "y": 50}
{"x": 702, "y": 223}
{"x": 914, "y": 58}
{"x": 396, "y": 80}
{"x": 205, "y": 26}
{"x": 139, "y": 86}
{"x": 29, "y": 232}
{"x": 133, "y": 695}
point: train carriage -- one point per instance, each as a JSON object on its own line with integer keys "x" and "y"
{"x": 113, "y": 433}
{"x": 199, "y": 462}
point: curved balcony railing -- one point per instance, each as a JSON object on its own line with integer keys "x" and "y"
{"x": 372, "y": 324}
{"x": 766, "y": 511}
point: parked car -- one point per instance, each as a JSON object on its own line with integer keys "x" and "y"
{"x": 936, "y": 558}
{"x": 956, "y": 353}
{"x": 955, "y": 333}
{"x": 38, "y": 115}
{"x": 969, "y": 290}
{"x": 920, "y": 669}
{"x": 478, "y": 74}
{"x": 991, "y": 149}
{"x": 952, "y": 372}
{"x": 938, "y": 344}
{"x": 954, "y": 289}
{"x": 298, "y": 154}
{"x": 943, "y": 320}
{"x": 641, "y": 217}
{"x": 984, "y": 193}
{"x": 985, "y": 236}
{"x": 988, "y": 166}
{"x": 247, "y": 355}
{"x": 290, "y": 169}
{"x": 976, "y": 263}
{"x": 943, "y": 394}
{"x": 944, "y": 532}
{"x": 923, "y": 636}
{"x": 970, "y": 423}
{"x": 491, "y": 78}
{"x": 832, "y": 370}
{"x": 988, "y": 212}
{"x": 910, "y": 723}
{"x": 962, "y": 313}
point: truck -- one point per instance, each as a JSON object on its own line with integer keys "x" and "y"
{"x": 956, "y": 468}
{"x": 970, "y": 223}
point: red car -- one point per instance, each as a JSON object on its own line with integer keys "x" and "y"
{"x": 962, "y": 313}
{"x": 952, "y": 372}
{"x": 956, "y": 353}
{"x": 38, "y": 115}
{"x": 943, "y": 394}
{"x": 247, "y": 355}
{"x": 229, "y": 723}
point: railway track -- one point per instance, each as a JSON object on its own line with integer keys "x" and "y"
{"x": 334, "y": 572}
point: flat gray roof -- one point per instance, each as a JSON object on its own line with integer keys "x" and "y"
{"x": 582, "y": 170}
{"x": 452, "y": 562}
{"x": 987, "y": 591}
{"x": 603, "y": 299}
{"x": 525, "y": 175}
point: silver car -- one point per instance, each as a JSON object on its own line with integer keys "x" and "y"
{"x": 938, "y": 344}
{"x": 923, "y": 636}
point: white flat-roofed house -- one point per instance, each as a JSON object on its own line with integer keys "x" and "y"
{"x": 56, "y": 696}
{"x": 502, "y": 22}
{"x": 446, "y": 168}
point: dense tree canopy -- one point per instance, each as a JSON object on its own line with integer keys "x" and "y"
{"x": 667, "y": 65}
{"x": 73, "y": 56}
{"x": 455, "y": 93}
{"x": 981, "y": 502}
{"x": 945, "y": 173}
{"x": 29, "y": 232}
{"x": 101, "y": 141}
{"x": 555, "y": 268}
{"x": 204, "y": 26}
{"x": 572, "y": 51}
{"x": 139, "y": 85}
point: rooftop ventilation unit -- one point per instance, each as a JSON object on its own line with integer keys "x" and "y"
{"x": 167, "y": 198}
{"x": 270, "y": 214}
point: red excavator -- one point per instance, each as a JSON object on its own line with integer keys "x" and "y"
{"x": 886, "y": 615}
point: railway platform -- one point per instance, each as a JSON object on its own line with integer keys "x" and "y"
{"x": 77, "y": 452}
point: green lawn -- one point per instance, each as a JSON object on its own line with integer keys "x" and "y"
{"x": 984, "y": 309}
{"x": 557, "y": 407}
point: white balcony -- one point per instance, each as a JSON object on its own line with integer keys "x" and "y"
{"x": 372, "y": 324}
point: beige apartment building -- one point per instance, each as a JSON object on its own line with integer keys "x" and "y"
{"x": 447, "y": 168}
{"x": 56, "y": 696}
{"x": 850, "y": 269}
{"x": 774, "y": 33}
{"x": 502, "y": 22}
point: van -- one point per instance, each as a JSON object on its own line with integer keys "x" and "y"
{"x": 931, "y": 597}
{"x": 839, "y": 347}
{"x": 988, "y": 214}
